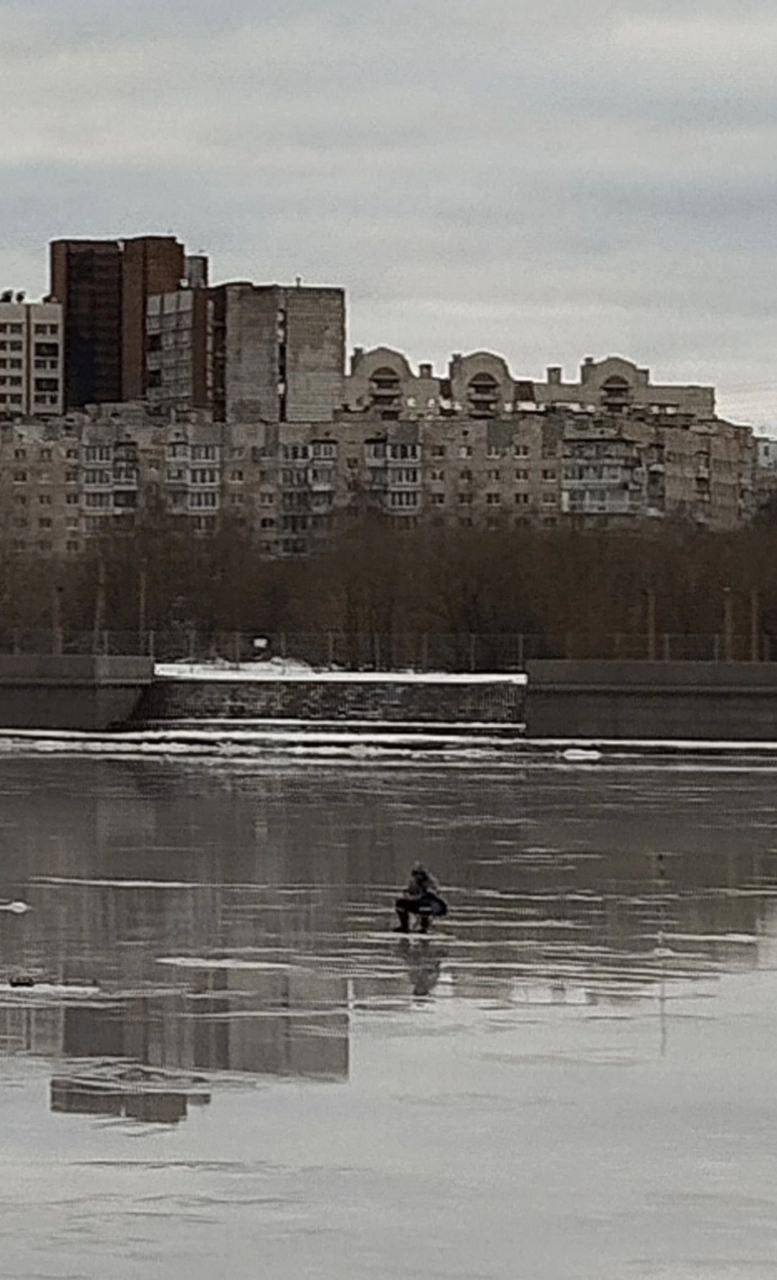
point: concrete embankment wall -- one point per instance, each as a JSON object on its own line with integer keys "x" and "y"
{"x": 454, "y": 700}
{"x": 70, "y": 691}
{"x": 728, "y": 701}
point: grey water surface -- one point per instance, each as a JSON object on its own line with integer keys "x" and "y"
{"x": 228, "y": 1067}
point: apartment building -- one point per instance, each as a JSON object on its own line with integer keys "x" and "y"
{"x": 179, "y": 351}
{"x": 482, "y": 386}
{"x": 85, "y": 278}
{"x": 40, "y": 493}
{"x": 250, "y": 353}
{"x": 291, "y": 486}
{"x": 150, "y": 265}
{"x": 31, "y": 359}
{"x": 103, "y": 287}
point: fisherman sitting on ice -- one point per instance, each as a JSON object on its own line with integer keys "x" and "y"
{"x": 419, "y": 899}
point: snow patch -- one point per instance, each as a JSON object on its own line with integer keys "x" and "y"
{"x": 300, "y": 672}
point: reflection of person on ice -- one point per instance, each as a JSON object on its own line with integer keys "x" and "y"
{"x": 419, "y": 899}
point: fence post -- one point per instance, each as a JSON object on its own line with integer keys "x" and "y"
{"x": 106, "y": 643}
{"x": 192, "y": 643}
{"x": 471, "y": 651}
{"x": 521, "y": 661}
{"x": 151, "y": 641}
{"x": 716, "y": 647}
{"x": 17, "y": 644}
{"x": 755, "y": 625}
{"x": 728, "y": 625}
{"x": 236, "y": 644}
{"x": 282, "y": 643}
{"x": 376, "y": 651}
{"x": 425, "y": 651}
{"x": 330, "y": 648}
{"x": 56, "y": 618}
{"x": 667, "y": 647}
{"x": 651, "y": 625}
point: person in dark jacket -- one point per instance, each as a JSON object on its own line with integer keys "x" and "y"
{"x": 420, "y": 899}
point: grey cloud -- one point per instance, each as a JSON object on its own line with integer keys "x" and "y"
{"x": 548, "y": 179}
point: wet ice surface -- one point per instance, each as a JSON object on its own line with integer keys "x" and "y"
{"x": 229, "y": 1067}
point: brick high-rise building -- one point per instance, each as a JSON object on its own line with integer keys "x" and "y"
{"x": 150, "y": 265}
{"x": 104, "y": 286}
{"x": 86, "y": 280}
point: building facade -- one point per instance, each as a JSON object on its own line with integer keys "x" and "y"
{"x": 85, "y": 277}
{"x": 250, "y": 353}
{"x": 31, "y": 359}
{"x": 103, "y": 287}
{"x": 149, "y": 265}
{"x": 481, "y": 385}
{"x": 294, "y": 486}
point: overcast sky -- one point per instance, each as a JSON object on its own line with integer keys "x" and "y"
{"x": 544, "y": 178}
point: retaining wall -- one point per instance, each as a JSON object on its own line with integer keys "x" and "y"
{"x": 45, "y": 691}
{"x": 458, "y": 700}
{"x": 727, "y": 701}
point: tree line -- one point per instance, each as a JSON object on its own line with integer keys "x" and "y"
{"x": 584, "y": 585}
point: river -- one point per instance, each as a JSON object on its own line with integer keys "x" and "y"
{"x": 228, "y": 1066}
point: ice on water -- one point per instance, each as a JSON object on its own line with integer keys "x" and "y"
{"x": 226, "y": 1064}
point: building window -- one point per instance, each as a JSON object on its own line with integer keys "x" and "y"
{"x": 493, "y": 499}
{"x": 465, "y": 450}
{"x": 20, "y": 477}
{"x": 465, "y": 499}
{"x": 44, "y": 499}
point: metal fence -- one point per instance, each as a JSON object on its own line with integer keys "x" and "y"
{"x": 379, "y": 651}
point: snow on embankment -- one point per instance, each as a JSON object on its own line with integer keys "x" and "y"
{"x": 278, "y": 669}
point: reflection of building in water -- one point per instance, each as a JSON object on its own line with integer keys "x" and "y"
{"x": 262, "y": 1020}
{"x": 133, "y": 1092}
{"x": 31, "y": 1028}
{"x": 280, "y": 1020}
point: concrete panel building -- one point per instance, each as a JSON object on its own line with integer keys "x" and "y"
{"x": 179, "y": 350}
{"x": 481, "y": 385}
{"x": 31, "y": 359}
{"x": 250, "y": 353}
{"x": 278, "y": 353}
{"x": 293, "y": 486}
